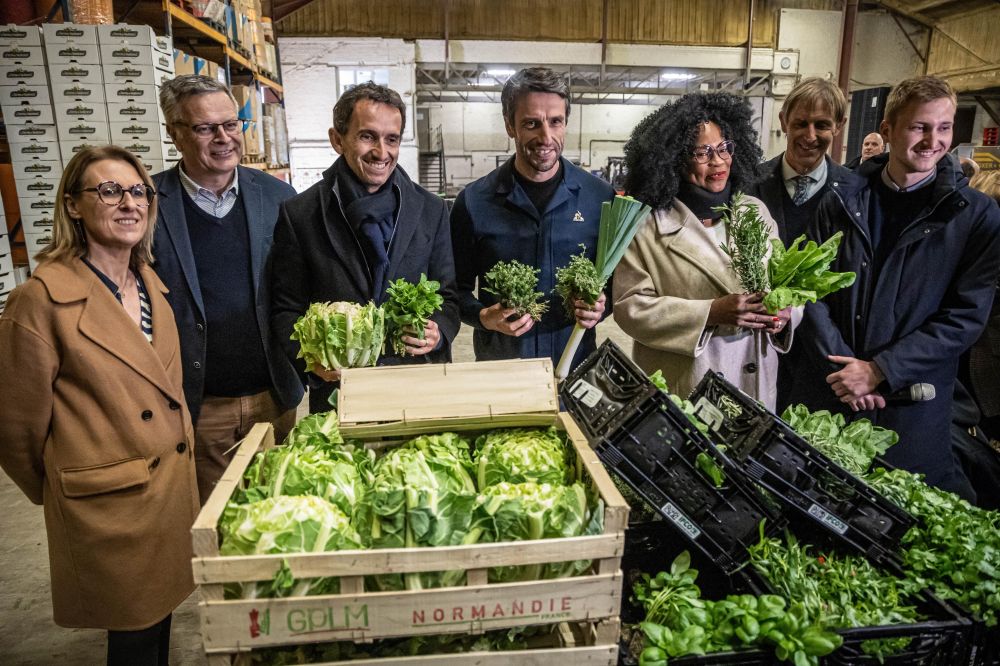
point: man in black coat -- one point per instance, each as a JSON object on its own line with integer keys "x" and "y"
{"x": 926, "y": 250}
{"x": 361, "y": 227}
{"x": 214, "y": 225}
{"x": 792, "y": 184}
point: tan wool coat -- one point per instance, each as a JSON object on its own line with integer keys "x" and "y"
{"x": 95, "y": 428}
{"x": 663, "y": 289}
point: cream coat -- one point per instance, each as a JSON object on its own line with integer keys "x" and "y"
{"x": 95, "y": 428}
{"x": 663, "y": 289}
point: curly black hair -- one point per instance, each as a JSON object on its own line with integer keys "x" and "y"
{"x": 657, "y": 153}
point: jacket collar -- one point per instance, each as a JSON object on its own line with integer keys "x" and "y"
{"x": 105, "y": 322}
{"x": 698, "y": 244}
{"x": 507, "y": 187}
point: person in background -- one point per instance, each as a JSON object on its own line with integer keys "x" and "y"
{"x": 792, "y": 184}
{"x": 100, "y": 435}
{"x": 536, "y": 208}
{"x": 981, "y": 366}
{"x": 926, "y": 250}
{"x": 216, "y": 220}
{"x": 675, "y": 290}
{"x": 970, "y": 168}
{"x": 872, "y": 145}
{"x": 363, "y": 226}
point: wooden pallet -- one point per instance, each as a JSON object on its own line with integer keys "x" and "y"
{"x": 589, "y": 603}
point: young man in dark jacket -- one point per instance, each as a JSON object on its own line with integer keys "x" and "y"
{"x": 363, "y": 226}
{"x": 926, "y": 250}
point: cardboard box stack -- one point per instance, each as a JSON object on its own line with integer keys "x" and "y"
{"x": 275, "y": 134}
{"x": 135, "y": 61}
{"x": 6, "y": 263}
{"x": 250, "y": 106}
{"x": 34, "y": 143}
{"x": 77, "y": 85}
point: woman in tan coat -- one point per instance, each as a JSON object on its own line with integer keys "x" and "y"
{"x": 96, "y": 428}
{"x": 675, "y": 291}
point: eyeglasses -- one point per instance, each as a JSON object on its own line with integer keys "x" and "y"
{"x": 206, "y": 130}
{"x": 112, "y": 194}
{"x": 703, "y": 154}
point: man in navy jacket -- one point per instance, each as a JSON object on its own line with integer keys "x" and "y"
{"x": 214, "y": 225}
{"x": 538, "y": 209}
{"x": 926, "y": 250}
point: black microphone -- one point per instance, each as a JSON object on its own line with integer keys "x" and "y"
{"x": 914, "y": 393}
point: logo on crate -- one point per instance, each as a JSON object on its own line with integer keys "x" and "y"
{"x": 129, "y": 91}
{"x": 16, "y": 53}
{"x": 133, "y": 111}
{"x": 27, "y": 113}
{"x": 24, "y": 93}
{"x": 680, "y": 520}
{"x": 42, "y": 204}
{"x": 136, "y": 129}
{"x": 128, "y": 71}
{"x": 73, "y": 52}
{"x": 125, "y": 32}
{"x": 69, "y": 32}
{"x": 80, "y": 110}
{"x": 548, "y": 609}
{"x": 74, "y": 71}
{"x": 13, "y": 33}
{"x": 138, "y": 148}
{"x": 125, "y": 53}
{"x": 821, "y": 514}
{"x": 41, "y": 186}
{"x": 325, "y": 619}
{"x": 20, "y": 74}
{"x": 82, "y": 129}
{"x": 165, "y": 61}
{"x": 258, "y": 624}
{"x": 35, "y": 149}
{"x": 41, "y": 167}
{"x": 29, "y": 130}
{"x": 77, "y": 91}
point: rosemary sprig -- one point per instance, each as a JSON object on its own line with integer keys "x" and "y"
{"x": 748, "y": 243}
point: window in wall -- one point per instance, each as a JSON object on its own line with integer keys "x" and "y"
{"x": 352, "y": 76}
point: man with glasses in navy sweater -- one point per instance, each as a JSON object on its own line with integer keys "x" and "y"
{"x": 213, "y": 236}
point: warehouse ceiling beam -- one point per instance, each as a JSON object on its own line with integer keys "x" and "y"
{"x": 283, "y": 8}
{"x": 903, "y": 9}
{"x": 913, "y": 45}
{"x": 988, "y": 108}
{"x": 928, "y": 4}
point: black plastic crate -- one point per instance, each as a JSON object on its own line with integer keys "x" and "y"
{"x": 656, "y": 452}
{"x": 798, "y": 475}
{"x": 985, "y": 649}
{"x": 604, "y": 390}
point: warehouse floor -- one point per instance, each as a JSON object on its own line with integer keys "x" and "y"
{"x": 27, "y": 633}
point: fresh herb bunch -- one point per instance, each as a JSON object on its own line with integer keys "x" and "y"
{"x": 409, "y": 306}
{"x": 748, "y": 243}
{"x": 800, "y": 276}
{"x": 853, "y": 446}
{"x": 838, "y": 591}
{"x": 514, "y": 285}
{"x": 679, "y": 622}
{"x": 579, "y": 279}
{"x": 954, "y": 548}
{"x": 684, "y": 404}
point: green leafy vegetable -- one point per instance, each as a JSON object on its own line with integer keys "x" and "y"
{"x": 954, "y": 549}
{"x": 802, "y": 275}
{"x": 679, "y": 622}
{"x": 321, "y": 429}
{"x": 527, "y": 511}
{"x": 517, "y": 455}
{"x": 340, "y": 335}
{"x": 837, "y": 591}
{"x": 287, "y": 524}
{"x": 684, "y": 404}
{"x": 748, "y": 243}
{"x": 579, "y": 279}
{"x": 853, "y": 446}
{"x": 514, "y": 285}
{"x": 424, "y": 496}
{"x": 409, "y": 307}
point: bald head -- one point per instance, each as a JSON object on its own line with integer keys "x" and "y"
{"x": 872, "y": 146}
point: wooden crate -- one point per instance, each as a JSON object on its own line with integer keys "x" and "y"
{"x": 589, "y": 604}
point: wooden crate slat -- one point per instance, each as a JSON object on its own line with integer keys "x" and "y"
{"x": 233, "y": 569}
{"x": 232, "y": 626}
{"x": 577, "y": 656}
{"x": 420, "y": 427}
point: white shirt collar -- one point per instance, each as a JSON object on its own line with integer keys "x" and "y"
{"x": 787, "y": 172}
{"x": 888, "y": 182}
{"x": 194, "y": 188}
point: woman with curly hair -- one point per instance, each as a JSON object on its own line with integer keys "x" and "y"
{"x": 675, "y": 291}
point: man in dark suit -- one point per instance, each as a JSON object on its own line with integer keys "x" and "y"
{"x": 792, "y": 184}
{"x": 361, "y": 227}
{"x": 214, "y": 226}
